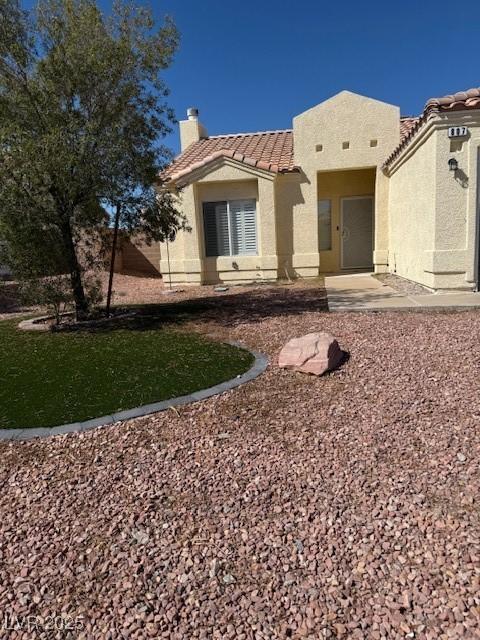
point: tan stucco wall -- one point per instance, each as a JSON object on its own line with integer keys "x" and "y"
{"x": 334, "y": 185}
{"x": 472, "y": 162}
{"x": 453, "y": 260}
{"x": 345, "y": 118}
{"x": 181, "y": 260}
{"x": 411, "y": 213}
{"x": 224, "y": 180}
{"x": 433, "y": 212}
{"x": 288, "y": 194}
{"x": 382, "y": 217}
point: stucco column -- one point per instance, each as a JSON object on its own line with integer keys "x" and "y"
{"x": 380, "y": 248}
{"x": 186, "y": 251}
{"x": 267, "y": 228}
{"x": 454, "y": 209}
{"x": 306, "y": 258}
{"x": 473, "y": 206}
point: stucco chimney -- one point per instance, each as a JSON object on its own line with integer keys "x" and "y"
{"x": 191, "y": 130}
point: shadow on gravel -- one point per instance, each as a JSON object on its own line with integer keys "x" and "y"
{"x": 10, "y": 299}
{"x": 226, "y": 310}
{"x": 344, "y": 360}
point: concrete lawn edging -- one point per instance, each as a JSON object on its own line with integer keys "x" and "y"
{"x": 39, "y": 323}
{"x": 258, "y": 367}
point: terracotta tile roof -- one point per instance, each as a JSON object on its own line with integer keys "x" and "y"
{"x": 269, "y": 150}
{"x": 407, "y": 123}
{"x": 273, "y": 150}
{"x": 461, "y": 101}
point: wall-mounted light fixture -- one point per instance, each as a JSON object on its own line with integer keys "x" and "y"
{"x": 453, "y": 164}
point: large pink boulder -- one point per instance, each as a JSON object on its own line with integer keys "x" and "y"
{"x": 313, "y": 353}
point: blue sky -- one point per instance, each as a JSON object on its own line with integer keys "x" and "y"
{"x": 252, "y": 65}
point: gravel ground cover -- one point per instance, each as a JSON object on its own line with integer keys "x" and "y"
{"x": 130, "y": 289}
{"x": 135, "y": 289}
{"x": 291, "y": 507}
{"x": 402, "y": 285}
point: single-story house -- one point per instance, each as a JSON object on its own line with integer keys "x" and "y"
{"x": 353, "y": 185}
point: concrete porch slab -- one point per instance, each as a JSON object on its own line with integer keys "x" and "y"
{"x": 362, "y": 292}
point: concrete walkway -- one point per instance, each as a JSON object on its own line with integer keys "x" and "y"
{"x": 360, "y": 291}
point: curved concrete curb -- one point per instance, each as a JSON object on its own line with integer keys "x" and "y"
{"x": 259, "y": 366}
{"x": 35, "y": 324}
{"x": 38, "y": 323}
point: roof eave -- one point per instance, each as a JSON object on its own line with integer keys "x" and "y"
{"x": 433, "y": 117}
{"x": 238, "y": 159}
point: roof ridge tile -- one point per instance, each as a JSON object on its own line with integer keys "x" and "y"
{"x": 249, "y": 133}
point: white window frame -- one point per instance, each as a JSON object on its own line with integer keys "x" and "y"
{"x": 330, "y": 216}
{"x": 230, "y": 227}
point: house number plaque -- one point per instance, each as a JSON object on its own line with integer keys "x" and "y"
{"x": 457, "y": 132}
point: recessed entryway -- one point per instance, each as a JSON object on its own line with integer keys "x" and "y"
{"x": 346, "y": 219}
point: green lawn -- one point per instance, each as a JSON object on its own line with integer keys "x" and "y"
{"x": 48, "y": 379}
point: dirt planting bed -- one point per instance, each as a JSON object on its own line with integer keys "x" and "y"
{"x": 10, "y": 304}
{"x": 291, "y": 507}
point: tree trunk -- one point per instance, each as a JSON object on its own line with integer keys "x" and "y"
{"x": 112, "y": 259}
{"x": 81, "y": 304}
{"x": 79, "y": 298}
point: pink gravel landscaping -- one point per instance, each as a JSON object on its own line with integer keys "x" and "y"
{"x": 344, "y": 506}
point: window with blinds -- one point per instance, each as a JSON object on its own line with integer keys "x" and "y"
{"x": 230, "y": 228}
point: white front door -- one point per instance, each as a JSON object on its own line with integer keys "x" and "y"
{"x": 357, "y": 232}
